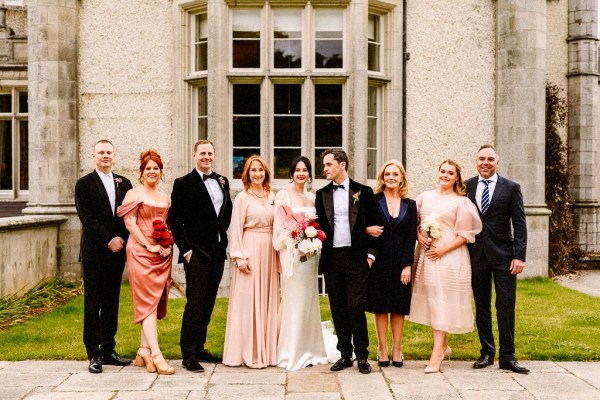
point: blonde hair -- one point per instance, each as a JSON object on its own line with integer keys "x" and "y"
{"x": 246, "y": 172}
{"x": 459, "y": 187}
{"x": 402, "y": 188}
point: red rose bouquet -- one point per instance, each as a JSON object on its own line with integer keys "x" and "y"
{"x": 307, "y": 236}
{"x": 162, "y": 234}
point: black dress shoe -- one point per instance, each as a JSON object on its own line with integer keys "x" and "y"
{"x": 341, "y": 364}
{"x": 514, "y": 366}
{"x": 204, "y": 355}
{"x": 191, "y": 364}
{"x": 364, "y": 367}
{"x": 484, "y": 361}
{"x": 115, "y": 359}
{"x": 95, "y": 364}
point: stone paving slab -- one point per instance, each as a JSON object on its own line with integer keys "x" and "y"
{"x": 154, "y": 395}
{"x": 313, "y": 396}
{"x": 180, "y": 382}
{"x": 557, "y": 386}
{"x": 249, "y": 378}
{"x": 11, "y": 393}
{"x": 494, "y": 394}
{"x": 105, "y": 395}
{"x": 425, "y": 391}
{"x": 32, "y": 379}
{"x": 589, "y": 372}
{"x": 357, "y": 386}
{"x": 4, "y": 364}
{"x": 312, "y": 382}
{"x": 474, "y": 380}
{"x": 86, "y": 382}
{"x": 237, "y": 392}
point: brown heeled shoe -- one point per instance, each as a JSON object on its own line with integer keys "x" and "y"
{"x": 162, "y": 366}
{"x": 144, "y": 360}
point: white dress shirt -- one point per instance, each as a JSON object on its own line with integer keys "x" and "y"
{"x": 109, "y": 184}
{"x": 341, "y": 220}
{"x": 214, "y": 190}
{"x": 481, "y": 186}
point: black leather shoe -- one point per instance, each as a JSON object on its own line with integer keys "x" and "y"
{"x": 514, "y": 366}
{"x": 204, "y": 355}
{"x": 364, "y": 367}
{"x": 341, "y": 364}
{"x": 191, "y": 364}
{"x": 95, "y": 364}
{"x": 115, "y": 359}
{"x": 484, "y": 361}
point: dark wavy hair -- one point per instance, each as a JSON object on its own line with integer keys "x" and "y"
{"x": 295, "y": 162}
{"x": 150, "y": 155}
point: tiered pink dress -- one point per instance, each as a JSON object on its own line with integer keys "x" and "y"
{"x": 251, "y": 330}
{"x": 149, "y": 273}
{"x": 442, "y": 288}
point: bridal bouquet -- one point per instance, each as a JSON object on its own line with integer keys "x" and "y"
{"x": 162, "y": 234}
{"x": 306, "y": 235}
{"x": 431, "y": 226}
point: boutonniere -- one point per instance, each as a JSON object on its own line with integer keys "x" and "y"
{"x": 356, "y": 197}
{"x": 118, "y": 180}
{"x": 222, "y": 181}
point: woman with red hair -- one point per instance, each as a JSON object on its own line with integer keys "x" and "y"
{"x": 149, "y": 253}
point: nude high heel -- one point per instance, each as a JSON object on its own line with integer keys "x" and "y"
{"x": 448, "y": 352}
{"x": 162, "y": 367}
{"x": 144, "y": 360}
{"x": 433, "y": 368}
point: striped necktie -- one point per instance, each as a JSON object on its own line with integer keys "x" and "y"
{"x": 485, "y": 196}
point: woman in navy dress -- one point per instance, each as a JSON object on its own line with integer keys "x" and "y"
{"x": 389, "y": 289}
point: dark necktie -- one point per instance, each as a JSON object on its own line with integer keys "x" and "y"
{"x": 212, "y": 175}
{"x": 485, "y": 196}
{"x": 336, "y": 187}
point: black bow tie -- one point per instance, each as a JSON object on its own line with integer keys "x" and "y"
{"x": 212, "y": 175}
{"x": 336, "y": 187}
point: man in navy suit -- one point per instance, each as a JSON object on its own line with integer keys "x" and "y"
{"x": 498, "y": 252}
{"x": 102, "y": 253}
{"x": 345, "y": 209}
{"x": 199, "y": 217}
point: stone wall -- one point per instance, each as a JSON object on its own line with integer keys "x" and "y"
{"x": 450, "y": 86}
{"x": 28, "y": 252}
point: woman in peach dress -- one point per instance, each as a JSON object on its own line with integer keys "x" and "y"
{"x": 251, "y": 330}
{"x": 148, "y": 260}
{"x": 442, "y": 295}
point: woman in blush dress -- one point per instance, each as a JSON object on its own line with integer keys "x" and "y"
{"x": 300, "y": 341}
{"x": 442, "y": 288}
{"x": 149, "y": 253}
{"x": 389, "y": 279}
{"x": 251, "y": 331}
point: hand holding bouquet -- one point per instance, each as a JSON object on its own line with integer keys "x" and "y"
{"x": 162, "y": 234}
{"x": 431, "y": 226}
{"x": 305, "y": 234}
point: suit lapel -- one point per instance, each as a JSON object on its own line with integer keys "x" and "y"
{"x": 497, "y": 190}
{"x": 204, "y": 195}
{"x": 353, "y": 204}
{"x": 384, "y": 208}
{"x": 328, "y": 203}
{"x": 403, "y": 209}
{"x": 225, "y": 195}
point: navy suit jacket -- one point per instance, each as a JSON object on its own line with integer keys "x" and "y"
{"x": 194, "y": 221}
{"x": 99, "y": 224}
{"x": 504, "y": 234}
{"x": 362, "y": 213}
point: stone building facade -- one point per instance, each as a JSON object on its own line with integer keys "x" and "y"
{"x": 420, "y": 81}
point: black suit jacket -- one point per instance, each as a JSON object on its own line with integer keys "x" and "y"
{"x": 397, "y": 242}
{"x": 362, "y": 214}
{"x": 193, "y": 220}
{"x": 499, "y": 241}
{"x": 99, "y": 224}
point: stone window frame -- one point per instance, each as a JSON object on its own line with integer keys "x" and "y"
{"x": 15, "y": 116}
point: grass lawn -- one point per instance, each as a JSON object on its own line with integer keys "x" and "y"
{"x": 553, "y": 323}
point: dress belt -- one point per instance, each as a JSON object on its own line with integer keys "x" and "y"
{"x": 261, "y": 229}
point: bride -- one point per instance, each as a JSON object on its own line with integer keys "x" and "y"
{"x": 300, "y": 341}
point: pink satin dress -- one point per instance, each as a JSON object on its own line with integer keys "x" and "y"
{"x": 149, "y": 273}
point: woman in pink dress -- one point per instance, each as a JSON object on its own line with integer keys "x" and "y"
{"x": 144, "y": 211}
{"x": 442, "y": 289}
{"x": 251, "y": 330}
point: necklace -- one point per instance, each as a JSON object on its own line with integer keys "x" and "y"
{"x": 260, "y": 197}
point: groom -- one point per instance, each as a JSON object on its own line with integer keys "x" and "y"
{"x": 498, "y": 252}
{"x": 345, "y": 209}
{"x": 199, "y": 217}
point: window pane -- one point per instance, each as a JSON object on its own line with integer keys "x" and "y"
{"x": 371, "y": 164}
{"x": 328, "y": 131}
{"x": 328, "y": 99}
{"x": 318, "y": 163}
{"x": 373, "y": 57}
{"x": 283, "y": 159}
{"x": 239, "y": 158}
{"x": 288, "y": 131}
{"x": 24, "y": 155}
{"x": 201, "y": 43}
{"x": 246, "y": 131}
{"x": 374, "y": 43}
{"x": 328, "y": 38}
{"x": 288, "y": 99}
{"x": 5, "y": 103}
{"x": 246, "y": 99}
{"x": 202, "y": 113}
{"x": 246, "y": 38}
{"x": 6, "y": 155}
{"x": 372, "y": 133}
{"x": 287, "y": 31}
{"x": 23, "y": 103}
{"x": 373, "y": 28}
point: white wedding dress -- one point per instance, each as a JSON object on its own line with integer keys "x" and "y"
{"x": 301, "y": 339}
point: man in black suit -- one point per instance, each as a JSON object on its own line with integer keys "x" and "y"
{"x": 103, "y": 236}
{"x": 199, "y": 217}
{"x": 345, "y": 209}
{"x": 499, "y": 251}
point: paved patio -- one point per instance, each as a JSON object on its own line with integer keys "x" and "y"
{"x": 66, "y": 380}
